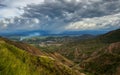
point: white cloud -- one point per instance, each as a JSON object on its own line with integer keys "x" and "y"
{"x": 12, "y": 20}
{"x": 5, "y": 25}
{"x": 10, "y": 12}
{"x": 21, "y": 3}
{"x": 35, "y": 20}
{"x": 96, "y": 23}
{"x": 12, "y": 7}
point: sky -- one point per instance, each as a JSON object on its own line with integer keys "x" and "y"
{"x": 57, "y": 16}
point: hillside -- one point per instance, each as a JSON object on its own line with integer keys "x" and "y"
{"x": 95, "y": 56}
{"x": 104, "y": 61}
{"x": 98, "y": 56}
{"x": 110, "y": 37}
{"x": 23, "y": 59}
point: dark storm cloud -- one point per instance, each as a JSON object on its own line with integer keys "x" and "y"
{"x": 59, "y": 15}
{"x": 55, "y": 14}
{"x": 2, "y": 5}
{"x": 63, "y": 9}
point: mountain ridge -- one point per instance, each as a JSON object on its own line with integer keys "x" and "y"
{"x": 99, "y": 56}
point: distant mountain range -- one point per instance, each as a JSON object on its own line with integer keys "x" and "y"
{"x": 48, "y": 33}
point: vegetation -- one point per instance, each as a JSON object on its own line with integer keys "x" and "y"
{"x": 15, "y": 61}
{"x": 105, "y": 64}
{"x": 113, "y": 36}
{"x": 99, "y": 56}
{"x": 94, "y": 56}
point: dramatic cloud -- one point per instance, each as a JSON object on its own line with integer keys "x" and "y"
{"x": 96, "y": 23}
{"x": 59, "y": 15}
{"x": 11, "y": 7}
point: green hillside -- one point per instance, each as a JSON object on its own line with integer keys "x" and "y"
{"x": 15, "y": 61}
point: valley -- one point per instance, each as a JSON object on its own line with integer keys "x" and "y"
{"x": 59, "y": 37}
{"x": 91, "y": 55}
